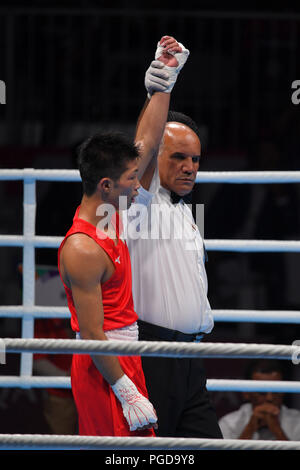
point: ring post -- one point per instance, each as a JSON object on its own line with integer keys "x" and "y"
{"x": 29, "y": 211}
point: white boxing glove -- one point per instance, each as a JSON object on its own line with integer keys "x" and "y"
{"x": 137, "y": 409}
{"x": 156, "y": 77}
{"x": 173, "y": 71}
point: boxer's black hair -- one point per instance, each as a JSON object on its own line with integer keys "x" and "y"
{"x": 104, "y": 155}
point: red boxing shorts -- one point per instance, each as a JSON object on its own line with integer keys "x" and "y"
{"x": 99, "y": 411}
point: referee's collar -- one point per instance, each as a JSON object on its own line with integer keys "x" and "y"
{"x": 165, "y": 193}
{"x": 173, "y": 197}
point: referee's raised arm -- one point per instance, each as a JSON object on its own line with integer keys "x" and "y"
{"x": 160, "y": 78}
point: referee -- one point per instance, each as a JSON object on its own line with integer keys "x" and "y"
{"x": 169, "y": 278}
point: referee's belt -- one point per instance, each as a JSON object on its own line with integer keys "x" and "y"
{"x": 165, "y": 334}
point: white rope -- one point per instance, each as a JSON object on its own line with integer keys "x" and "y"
{"x": 40, "y": 175}
{"x": 255, "y": 316}
{"x": 248, "y": 246}
{"x": 57, "y": 442}
{"x": 202, "y": 176}
{"x": 276, "y": 386}
{"x": 269, "y": 246}
{"x": 212, "y": 385}
{"x": 151, "y": 348}
{"x": 248, "y": 177}
{"x": 221, "y": 315}
{"x": 18, "y": 311}
{"x": 9, "y": 381}
{"x": 37, "y": 241}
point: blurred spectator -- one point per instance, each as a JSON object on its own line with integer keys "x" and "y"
{"x": 264, "y": 417}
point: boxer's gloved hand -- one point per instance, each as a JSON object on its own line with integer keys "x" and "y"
{"x": 164, "y": 52}
{"x": 173, "y": 55}
{"x": 137, "y": 409}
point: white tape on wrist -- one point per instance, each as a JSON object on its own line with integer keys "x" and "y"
{"x": 137, "y": 409}
{"x": 173, "y": 71}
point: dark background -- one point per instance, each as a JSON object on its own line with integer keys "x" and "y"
{"x": 74, "y": 67}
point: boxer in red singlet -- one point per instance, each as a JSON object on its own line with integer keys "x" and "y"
{"x": 94, "y": 264}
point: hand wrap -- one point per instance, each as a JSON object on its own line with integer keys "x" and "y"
{"x": 137, "y": 409}
{"x": 163, "y": 77}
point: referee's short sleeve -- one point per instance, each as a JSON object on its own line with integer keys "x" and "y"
{"x": 144, "y": 197}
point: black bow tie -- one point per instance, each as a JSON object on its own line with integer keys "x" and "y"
{"x": 175, "y": 198}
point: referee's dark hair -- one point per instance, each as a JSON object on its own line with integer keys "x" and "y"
{"x": 176, "y": 116}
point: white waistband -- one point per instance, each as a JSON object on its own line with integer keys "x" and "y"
{"x": 127, "y": 333}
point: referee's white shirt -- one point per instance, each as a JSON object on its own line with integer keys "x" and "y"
{"x": 169, "y": 281}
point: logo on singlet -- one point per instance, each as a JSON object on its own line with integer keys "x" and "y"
{"x": 117, "y": 260}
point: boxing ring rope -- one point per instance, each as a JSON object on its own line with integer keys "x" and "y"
{"x": 213, "y": 385}
{"x": 212, "y": 245}
{"x": 221, "y": 315}
{"x": 151, "y": 348}
{"x": 29, "y": 241}
{"x": 202, "y": 176}
{"x": 54, "y": 442}
{"x": 154, "y": 348}
{"x": 28, "y": 311}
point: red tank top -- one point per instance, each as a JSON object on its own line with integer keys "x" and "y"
{"x": 117, "y": 291}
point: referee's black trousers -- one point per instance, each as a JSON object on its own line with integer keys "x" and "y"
{"x": 177, "y": 390}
